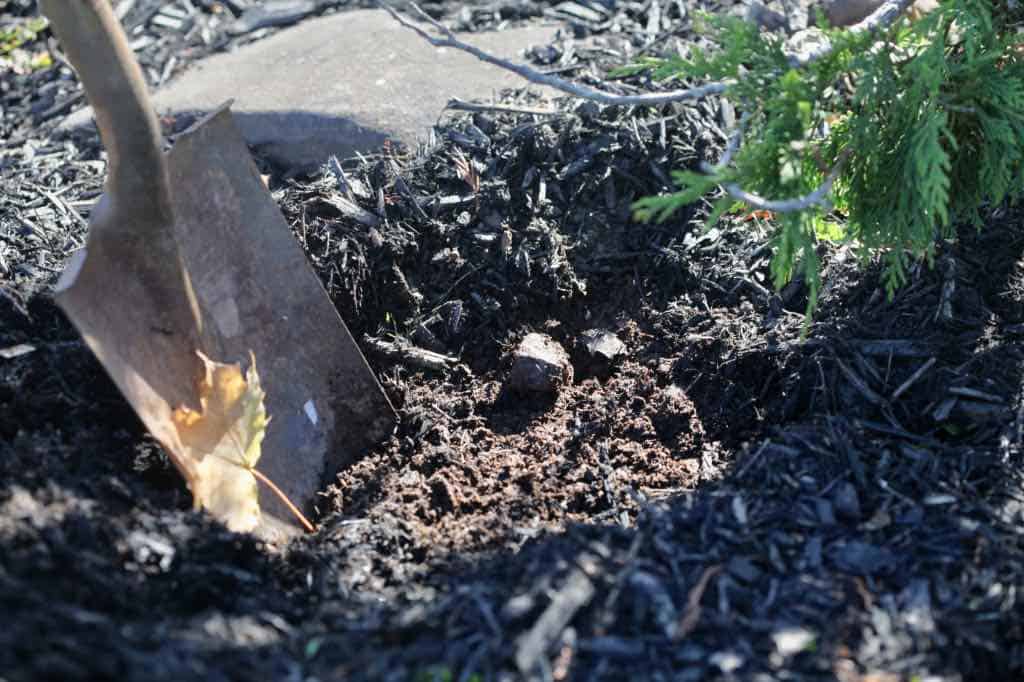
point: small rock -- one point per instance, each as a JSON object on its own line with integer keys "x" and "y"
{"x": 600, "y": 350}
{"x": 601, "y": 343}
{"x": 802, "y": 45}
{"x": 16, "y": 351}
{"x": 727, "y": 661}
{"x": 271, "y": 13}
{"x": 540, "y": 365}
{"x": 790, "y": 641}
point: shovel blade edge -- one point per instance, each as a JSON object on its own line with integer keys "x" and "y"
{"x": 257, "y": 292}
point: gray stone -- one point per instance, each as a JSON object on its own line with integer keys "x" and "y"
{"x": 540, "y": 365}
{"x": 603, "y": 345}
{"x": 793, "y": 640}
{"x": 600, "y": 352}
{"x": 341, "y": 84}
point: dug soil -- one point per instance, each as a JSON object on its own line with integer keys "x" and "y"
{"x": 727, "y": 494}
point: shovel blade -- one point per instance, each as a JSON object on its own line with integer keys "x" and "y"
{"x": 128, "y": 295}
{"x": 257, "y": 292}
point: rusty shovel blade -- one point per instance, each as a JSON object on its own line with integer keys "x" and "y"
{"x": 187, "y": 251}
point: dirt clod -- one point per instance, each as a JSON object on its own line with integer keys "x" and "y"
{"x": 601, "y": 350}
{"x": 539, "y": 365}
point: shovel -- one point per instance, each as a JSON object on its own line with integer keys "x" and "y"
{"x": 187, "y": 251}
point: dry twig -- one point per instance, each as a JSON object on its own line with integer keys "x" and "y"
{"x": 819, "y": 197}
{"x": 576, "y": 89}
{"x": 691, "y": 616}
{"x": 461, "y": 105}
{"x": 881, "y": 17}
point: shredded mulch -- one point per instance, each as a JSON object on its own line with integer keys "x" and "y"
{"x": 734, "y": 496}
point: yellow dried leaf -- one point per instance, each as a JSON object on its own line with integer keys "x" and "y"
{"x": 223, "y": 441}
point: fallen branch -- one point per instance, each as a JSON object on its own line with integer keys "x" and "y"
{"x": 691, "y": 616}
{"x": 532, "y": 646}
{"x": 406, "y": 352}
{"x": 575, "y": 89}
{"x": 460, "y": 105}
{"x": 730, "y": 148}
{"x": 816, "y": 198}
{"x": 881, "y": 17}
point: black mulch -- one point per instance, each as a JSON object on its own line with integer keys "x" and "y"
{"x": 856, "y": 509}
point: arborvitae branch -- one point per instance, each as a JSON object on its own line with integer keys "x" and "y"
{"x": 882, "y": 125}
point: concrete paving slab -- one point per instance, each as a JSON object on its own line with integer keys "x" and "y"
{"x": 341, "y": 84}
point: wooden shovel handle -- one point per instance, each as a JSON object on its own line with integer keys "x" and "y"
{"x": 95, "y": 44}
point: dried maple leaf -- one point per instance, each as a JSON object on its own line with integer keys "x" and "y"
{"x": 222, "y": 442}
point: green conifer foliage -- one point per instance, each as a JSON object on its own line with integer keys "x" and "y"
{"x": 921, "y": 124}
